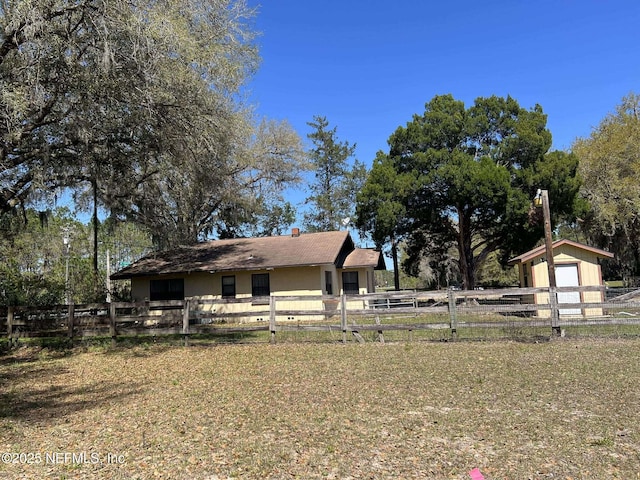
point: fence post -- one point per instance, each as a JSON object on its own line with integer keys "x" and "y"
{"x": 272, "y": 318}
{"x": 343, "y": 317}
{"x": 70, "y": 320}
{"x": 380, "y": 332}
{"x": 185, "y": 321}
{"x": 10, "y": 325}
{"x": 112, "y": 324}
{"x": 453, "y": 316}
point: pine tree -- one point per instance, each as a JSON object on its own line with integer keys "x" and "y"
{"x": 337, "y": 182}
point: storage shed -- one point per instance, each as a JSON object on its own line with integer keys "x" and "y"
{"x": 576, "y": 265}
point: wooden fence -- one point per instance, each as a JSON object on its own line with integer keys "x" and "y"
{"x": 350, "y": 315}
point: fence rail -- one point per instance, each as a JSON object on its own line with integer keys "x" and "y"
{"x": 449, "y": 312}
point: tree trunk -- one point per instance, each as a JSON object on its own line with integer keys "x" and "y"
{"x": 394, "y": 256}
{"x": 467, "y": 267}
{"x": 94, "y": 221}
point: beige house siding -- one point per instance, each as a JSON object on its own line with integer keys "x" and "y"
{"x": 287, "y": 281}
{"x": 293, "y": 281}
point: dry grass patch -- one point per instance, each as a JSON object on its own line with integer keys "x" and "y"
{"x": 564, "y": 409}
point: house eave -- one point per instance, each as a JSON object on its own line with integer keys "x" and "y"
{"x": 124, "y": 276}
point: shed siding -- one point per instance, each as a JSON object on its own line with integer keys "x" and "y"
{"x": 589, "y": 273}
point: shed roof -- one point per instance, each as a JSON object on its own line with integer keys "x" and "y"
{"x": 307, "y": 249}
{"x": 541, "y": 250}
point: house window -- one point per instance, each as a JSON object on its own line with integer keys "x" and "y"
{"x": 169, "y": 289}
{"x": 350, "y": 283}
{"x": 229, "y": 286}
{"x": 328, "y": 281}
{"x": 260, "y": 285}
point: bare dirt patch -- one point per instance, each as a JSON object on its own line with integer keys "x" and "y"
{"x": 562, "y": 409}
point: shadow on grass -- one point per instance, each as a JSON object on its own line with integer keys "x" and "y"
{"x": 31, "y": 389}
{"x": 31, "y": 353}
{"x": 53, "y": 402}
{"x": 34, "y": 349}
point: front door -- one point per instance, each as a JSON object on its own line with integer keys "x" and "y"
{"x": 567, "y": 276}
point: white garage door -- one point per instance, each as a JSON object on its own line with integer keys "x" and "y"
{"x": 567, "y": 276}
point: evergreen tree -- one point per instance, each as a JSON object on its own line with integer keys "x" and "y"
{"x": 333, "y": 192}
{"x": 380, "y": 211}
{"x": 474, "y": 174}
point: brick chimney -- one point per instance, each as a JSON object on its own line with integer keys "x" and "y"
{"x": 295, "y": 232}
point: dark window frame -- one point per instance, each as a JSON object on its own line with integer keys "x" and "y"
{"x": 260, "y": 288}
{"x": 165, "y": 289}
{"x": 228, "y": 289}
{"x": 349, "y": 286}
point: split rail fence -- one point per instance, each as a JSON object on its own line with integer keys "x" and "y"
{"x": 446, "y": 314}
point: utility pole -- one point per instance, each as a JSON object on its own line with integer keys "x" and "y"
{"x": 543, "y": 198}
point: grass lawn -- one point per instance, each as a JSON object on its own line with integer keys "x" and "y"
{"x": 566, "y": 409}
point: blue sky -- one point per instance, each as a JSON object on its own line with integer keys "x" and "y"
{"x": 368, "y": 66}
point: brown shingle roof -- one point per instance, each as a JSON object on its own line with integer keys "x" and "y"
{"x": 322, "y": 248}
{"x": 364, "y": 257}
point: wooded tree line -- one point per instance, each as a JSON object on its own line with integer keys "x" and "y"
{"x": 48, "y": 258}
{"x": 137, "y": 109}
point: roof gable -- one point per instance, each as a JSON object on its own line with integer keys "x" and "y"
{"x": 322, "y": 248}
{"x": 541, "y": 250}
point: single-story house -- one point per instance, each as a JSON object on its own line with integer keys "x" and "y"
{"x": 324, "y": 263}
{"x": 576, "y": 265}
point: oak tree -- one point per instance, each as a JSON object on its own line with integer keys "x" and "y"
{"x": 610, "y": 168}
{"x": 137, "y": 107}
